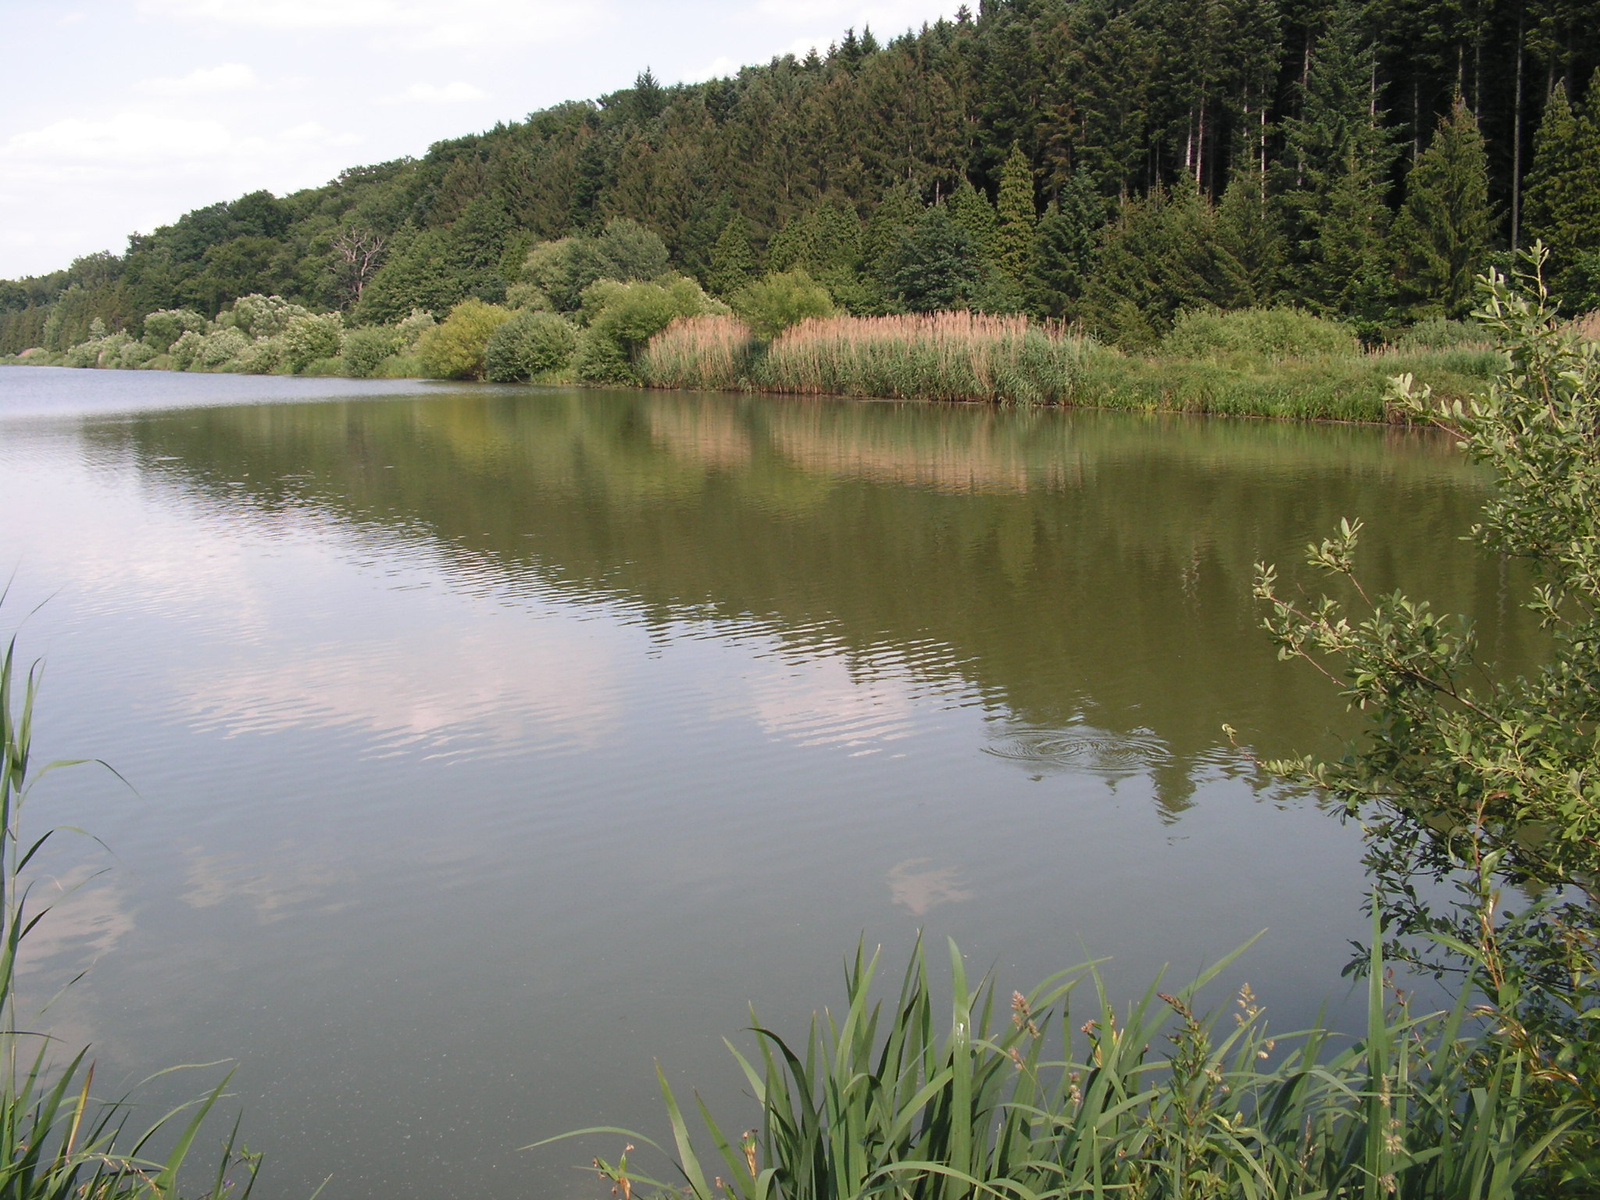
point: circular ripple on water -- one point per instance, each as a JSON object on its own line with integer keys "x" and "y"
{"x": 1081, "y": 748}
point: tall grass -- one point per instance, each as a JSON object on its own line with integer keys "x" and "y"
{"x": 1152, "y": 1103}
{"x": 711, "y": 352}
{"x": 1271, "y": 363}
{"x": 938, "y": 356}
{"x": 57, "y": 1140}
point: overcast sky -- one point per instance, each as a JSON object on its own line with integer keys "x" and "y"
{"x": 121, "y": 115}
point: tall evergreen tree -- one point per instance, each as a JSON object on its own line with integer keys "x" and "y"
{"x": 1347, "y": 270}
{"x": 1158, "y": 258}
{"x": 733, "y": 258}
{"x": 1337, "y": 157}
{"x": 938, "y": 265}
{"x": 1250, "y": 246}
{"x": 1546, "y": 199}
{"x": 1066, "y": 242}
{"x": 1443, "y": 230}
{"x": 1017, "y": 217}
{"x": 1563, "y": 198}
{"x": 971, "y": 210}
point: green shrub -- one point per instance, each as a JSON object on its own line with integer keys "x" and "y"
{"x": 186, "y": 349}
{"x": 259, "y": 316}
{"x": 413, "y": 327}
{"x": 217, "y": 349}
{"x": 362, "y": 350}
{"x": 598, "y": 359}
{"x": 529, "y": 344}
{"x": 526, "y": 296}
{"x": 455, "y": 348}
{"x": 1442, "y": 333}
{"x": 621, "y": 318}
{"x": 1268, "y": 334}
{"x": 771, "y": 305}
{"x": 133, "y": 355}
{"x": 308, "y": 338}
{"x": 167, "y": 325}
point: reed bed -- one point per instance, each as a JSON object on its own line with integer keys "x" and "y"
{"x": 1153, "y": 1102}
{"x": 937, "y": 356}
{"x": 712, "y": 352}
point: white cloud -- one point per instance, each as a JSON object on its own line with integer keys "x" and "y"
{"x": 451, "y": 93}
{"x": 202, "y": 81}
{"x": 128, "y": 137}
{"x": 463, "y": 23}
{"x": 720, "y": 67}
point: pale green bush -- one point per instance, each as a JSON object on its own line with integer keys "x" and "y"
{"x": 186, "y": 349}
{"x": 529, "y": 344}
{"x": 1268, "y": 334}
{"x": 364, "y": 348}
{"x": 217, "y": 349}
{"x": 455, "y": 348}
{"x": 308, "y": 338}
{"x": 771, "y": 305}
{"x": 261, "y": 357}
{"x": 165, "y": 326}
{"x": 261, "y": 316}
{"x": 133, "y": 355}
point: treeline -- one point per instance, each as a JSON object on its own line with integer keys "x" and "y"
{"x": 1109, "y": 161}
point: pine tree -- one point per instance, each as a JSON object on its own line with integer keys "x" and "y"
{"x": 1065, "y": 243}
{"x": 1251, "y": 249}
{"x": 1546, "y": 199}
{"x": 938, "y": 265}
{"x": 1563, "y": 196}
{"x": 733, "y": 258}
{"x": 1338, "y": 116}
{"x": 1347, "y": 272}
{"x": 1443, "y": 231}
{"x": 970, "y": 209}
{"x": 1014, "y": 240}
{"x": 1337, "y": 157}
{"x": 1159, "y": 258}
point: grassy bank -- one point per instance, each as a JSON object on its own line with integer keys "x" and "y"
{"x": 1275, "y": 364}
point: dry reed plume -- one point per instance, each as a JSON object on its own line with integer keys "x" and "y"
{"x": 938, "y": 356}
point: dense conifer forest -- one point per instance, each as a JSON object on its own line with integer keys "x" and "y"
{"x": 1111, "y": 162}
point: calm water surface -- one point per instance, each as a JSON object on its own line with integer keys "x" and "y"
{"x": 485, "y": 744}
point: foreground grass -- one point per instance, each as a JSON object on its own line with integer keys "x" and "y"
{"x": 1155, "y": 1102}
{"x": 58, "y": 1140}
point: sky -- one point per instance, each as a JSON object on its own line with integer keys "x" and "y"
{"x": 122, "y": 115}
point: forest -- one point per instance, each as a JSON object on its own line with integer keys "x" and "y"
{"x": 1112, "y": 163}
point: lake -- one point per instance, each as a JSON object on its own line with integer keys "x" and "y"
{"x": 483, "y": 745}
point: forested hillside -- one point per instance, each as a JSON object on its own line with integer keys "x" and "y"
{"x": 1108, "y": 161}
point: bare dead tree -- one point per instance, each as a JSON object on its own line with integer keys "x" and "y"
{"x": 358, "y": 252}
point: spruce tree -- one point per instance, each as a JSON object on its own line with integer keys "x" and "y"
{"x": 1443, "y": 230}
{"x": 1348, "y": 272}
{"x": 1159, "y": 258}
{"x": 733, "y": 258}
{"x": 971, "y": 210}
{"x": 1563, "y": 196}
{"x": 1250, "y": 246}
{"x": 1017, "y": 218}
{"x": 1337, "y": 156}
{"x": 1546, "y": 200}
{"x": 1065, "y": 244}
{"x": 938, "y": 265}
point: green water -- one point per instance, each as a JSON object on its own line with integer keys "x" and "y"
{"x": 492, "y": 742}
